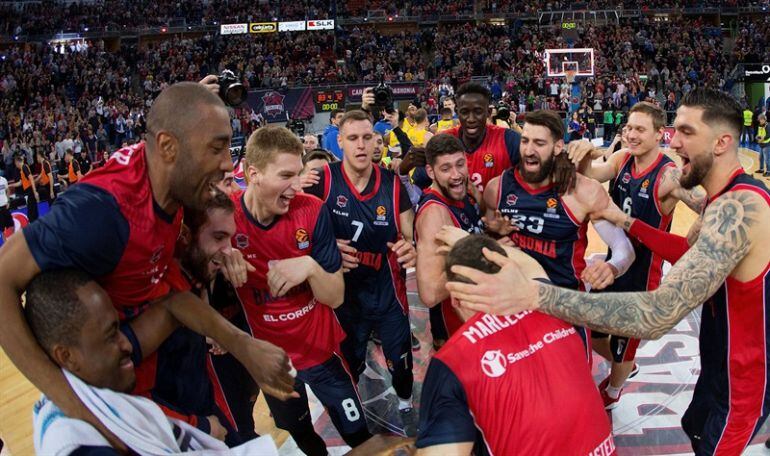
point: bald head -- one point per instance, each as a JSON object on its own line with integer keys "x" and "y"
{"x": 180, "y": 108}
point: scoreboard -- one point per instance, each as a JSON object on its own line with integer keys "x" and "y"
{"x": 328, "y": 100}
{"x": 569, "y": 30}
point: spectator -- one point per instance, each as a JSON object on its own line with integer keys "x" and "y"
{"x": 763, "y": 140}
{"x": 746, "y": 134}
{"x": 309, "y": 143}
{"x": 331, "y": 132}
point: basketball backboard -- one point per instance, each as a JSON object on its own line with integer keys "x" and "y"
{"x": 558, "y": 62}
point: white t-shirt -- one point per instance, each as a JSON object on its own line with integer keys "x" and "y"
{"x": 3, "y": 192}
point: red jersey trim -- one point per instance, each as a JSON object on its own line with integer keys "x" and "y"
{"x": 622, "y": 165}
{"x": 327, "y": 181}
{"x": 448, "y": 202}
{"x": 569, "y": 212}
{"x": 396, "y": 202}
{"x": 526, "y": 186}
{"x": 637, "y": 175}
{"x": 733, "y": 176}
{"x": 354, "y": 190}
{"x": 655, "y": 197}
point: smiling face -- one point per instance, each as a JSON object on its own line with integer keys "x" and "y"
{"x": 450, "y": 175}
{"x": 694, "y": 142}
{"x": 473, "y": 112}
{"x": 204, "y": 158}
{"x": 538, "y": 148}
{"x": 277, "y": 183}
{"x": 641, "y": 134}
{"x": 203, "y": 258}
{"x": 356, "y": 139}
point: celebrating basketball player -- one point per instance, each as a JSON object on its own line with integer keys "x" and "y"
{"x": 373, "y": 223}
{"x": 510, "y": 385}
{"x": 289, "y": 238}
{"x": 726, "y": 268}
{"x": 120, "y": 225}
{"x": 445, "y": 202}
{"x": 645, "y": 184}
{"x": 523, "y": 202}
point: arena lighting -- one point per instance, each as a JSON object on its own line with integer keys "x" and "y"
{"x": 163, "y": 30}
{"x": 85, "y": 29}
{"x": 390, "y": 18}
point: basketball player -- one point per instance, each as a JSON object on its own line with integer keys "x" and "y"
{"x": 419, "y": 134}
{"x": 445, "y": 202}
{"x": 726, "y": 268}
{"x": 289, "y": 238}
{"x": 646, "y": 185}
{"x": 120, "y": 225}
{"x": 523, "y": 203}
{"x": 373, "y": 223}
{"x": 72, "y": 317}
{"x": 446, "y": 121}
{"x": 510, "y": 385}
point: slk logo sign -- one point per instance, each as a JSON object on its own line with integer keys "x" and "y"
{"x": 323, "y": 24}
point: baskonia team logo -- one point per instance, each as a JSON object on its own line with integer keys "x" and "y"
{"x": 342, "y": 201}
{"x": 511, "y": 199}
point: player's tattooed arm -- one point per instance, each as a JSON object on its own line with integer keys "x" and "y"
{"x": 695, "y": 198}
{"x": 723, "y": 242}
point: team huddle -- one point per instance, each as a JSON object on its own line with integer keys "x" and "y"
{"x": 181, "y": 294}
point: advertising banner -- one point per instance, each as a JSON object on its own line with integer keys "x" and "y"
{"x": 263, "y": 27}
{"x": 233, "y": 29}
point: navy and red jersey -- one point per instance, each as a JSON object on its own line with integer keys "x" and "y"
{"x": 734, "y": 352}
{"x": 498, "y": 151}
{"x": 110, "y": 226}
{"x": 636, "y": 193}
{"x": 370, "y": 220}
{"x": 548, "y": 231}
{"x": 465, "y": 215}
{"x": 297, "y": 322}
{"x": 520, "y": 383}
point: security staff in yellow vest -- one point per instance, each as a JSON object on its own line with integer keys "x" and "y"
{"x": 748, "y": 117}
{"x": 763, "y": 140}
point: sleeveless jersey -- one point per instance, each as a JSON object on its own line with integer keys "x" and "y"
{"x": 417, "y": 137}
{"x": 443, "y": 125}
{"x": 636, "y": 193}
{"x": 296, "y": 322}
{"x": 369, "y": 221}
{"x": 71, "y": 173}
{"x": 465, "y": 215}
{"x": 139, "y": 277}
{"x": 490, "y": 159}
{"x": 548, "y": 231}
{"x": 734, "y": 345}
{"x": 26, "y": 177}
{"x": 521, "y": 371}
{"x": 45, "y": 169}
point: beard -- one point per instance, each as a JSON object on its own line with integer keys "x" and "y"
{"x": 534, "y": 177}
{"x": 699, "y": 167}
{"x": 196, "y": 262}
{"x": 446, "y": 191}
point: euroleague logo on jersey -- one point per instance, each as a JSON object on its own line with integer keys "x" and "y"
{"x": 381, "y": 213}
{"x": 342, "y": 201}
{"x": 493, "y": 363}
{"x": 489, "y": 160}
{"x": 303, "y": 240}
{"x": 626, "y": 178}
{"x": 511, "y": 199}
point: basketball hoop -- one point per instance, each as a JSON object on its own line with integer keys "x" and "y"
{"x": 570, "y": 75}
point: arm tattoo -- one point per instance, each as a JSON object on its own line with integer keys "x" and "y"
{"x": 724, "y": 240}
{"x": 694, "y": 198}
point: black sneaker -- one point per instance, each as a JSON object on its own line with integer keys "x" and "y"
{"x": 767, "y": 174}
{"x": 409, "y": 420}
{"x": 415, "y": 343}
{"x": 759, "y": 171}
{"x": 634, "y": 371}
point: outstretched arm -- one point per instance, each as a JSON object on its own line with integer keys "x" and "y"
{"x": 695, "y": 198}
{"x": 725, "y": 239}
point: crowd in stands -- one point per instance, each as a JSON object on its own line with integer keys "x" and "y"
{"x": 89, "y": 99}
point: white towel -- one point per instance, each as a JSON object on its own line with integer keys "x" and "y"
{"x": 136, "y": 421}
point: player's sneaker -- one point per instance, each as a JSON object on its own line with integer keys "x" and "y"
{"x": 609, "y": 403}
{"x": 408, "y": 419}
{"x": 415, "y": 343}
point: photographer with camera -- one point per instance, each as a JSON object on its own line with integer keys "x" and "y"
{"x": 331, "y": 133}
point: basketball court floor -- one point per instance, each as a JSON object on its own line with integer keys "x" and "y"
{"x": 646, "y": 421}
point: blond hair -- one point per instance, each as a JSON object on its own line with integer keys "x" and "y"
{"x": 265, "y": 143}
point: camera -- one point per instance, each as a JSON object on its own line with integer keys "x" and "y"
{"x": 297, "y": 126}
{"x": 231, "y": 91}
{"x": 383, "y": 95}
{"x": 503, "y": 112}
